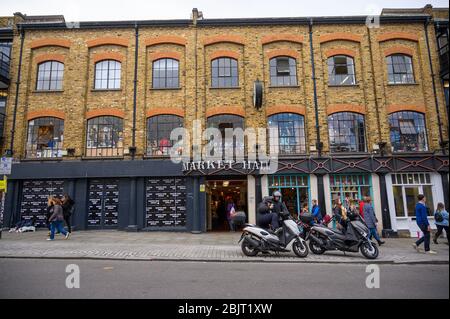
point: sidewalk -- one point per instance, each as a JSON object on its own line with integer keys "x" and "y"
{"x": 218, "y": 247}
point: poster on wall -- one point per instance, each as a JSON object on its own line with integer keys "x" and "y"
{"x": 103, "y": 207}
{"x": 35, "y": 195}
{"x": 166, "y": 202}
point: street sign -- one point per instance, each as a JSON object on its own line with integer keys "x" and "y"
{"x": 5, "y": 165}
{"x": 3, "y": 184}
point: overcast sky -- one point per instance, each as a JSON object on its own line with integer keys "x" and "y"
{"x": 93, "y": 10}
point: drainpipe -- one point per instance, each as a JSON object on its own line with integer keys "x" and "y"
{"x": 136, "y": 56}
{"x": 16, "y": 101}
{"x": 316, "y": 104}
{"x": 436, "y": 100}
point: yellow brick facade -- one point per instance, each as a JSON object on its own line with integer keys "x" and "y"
{"x": 253, "y": 46}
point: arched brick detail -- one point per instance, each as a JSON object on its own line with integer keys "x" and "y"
{"x": 64, "y": 43}
{"x": 337, "y": 108}
{"x": 45, "y": 113}
{"x": 49, "y": 57}
{"x": 218, "y": 110}
{"x": 165, "y": 39}
{"x": 165, "y": 55}
{"x": 282, "y": 52}
{"x": 342, "y": 36}
{"x": 277, "y": 109}
{"x": 282, "y": 37}
{"x": 105, "y": 112}
{"x": 398, "y": 36}
{"x": 399, "y": 50}
{"x": 398, "y": 108}
{"x": 224, "y": 53}
{"x": 224, "y": 38}
{"x": 342, "y": 51}
{"x": 107, "y": 41}
{"x": 165, "y": 111}
{"x": 107, "y": 56}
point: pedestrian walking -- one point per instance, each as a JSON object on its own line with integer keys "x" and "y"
{"x": 422, "y": 221}
{"x": 68, "y": 205}
{"x": 371, "y": 220}
{"x": 315, "y": 211}
{"x": 340, "y": 213}
{"x": 441, "y": 221}
{"x": 361, "y": 203}
{"x": 48, "y": 213}
{"x": 57, "y": 220}
{"x": 231, "y": 211}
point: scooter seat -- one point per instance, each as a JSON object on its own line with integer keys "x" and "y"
{"x": 250, "y": 225}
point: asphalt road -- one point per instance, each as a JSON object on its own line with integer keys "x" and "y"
{"x": 37, "y": 278}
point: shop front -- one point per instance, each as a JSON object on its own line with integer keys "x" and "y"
{"x": 295, "y": 190}
{"x": 403, "y": 198}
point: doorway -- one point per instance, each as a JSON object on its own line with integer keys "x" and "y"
{"x": 219, "y": 193}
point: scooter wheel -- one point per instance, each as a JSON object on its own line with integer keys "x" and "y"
{"x": 316, "y": 249}
{"x": 247, "y": 249}
{"x": 300, "y": 248}
{"x": 368, "y": 251}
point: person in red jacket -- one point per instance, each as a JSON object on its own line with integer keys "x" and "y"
{"x": 361, "y": 207}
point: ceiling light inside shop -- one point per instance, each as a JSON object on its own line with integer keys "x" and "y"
{"x": 226, "y": 183}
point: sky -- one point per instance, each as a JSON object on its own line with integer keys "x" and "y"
{"x": 110, "y": 10}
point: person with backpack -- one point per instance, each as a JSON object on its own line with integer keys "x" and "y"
{"x": 424, "y": 225}
{"x": 67, "y": 206}
{"x": 441, "y": 221}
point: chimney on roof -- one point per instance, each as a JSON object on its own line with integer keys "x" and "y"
{"x": 196, "y": 15}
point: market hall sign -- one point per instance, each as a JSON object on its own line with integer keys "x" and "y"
{"x": 225, "y": 165}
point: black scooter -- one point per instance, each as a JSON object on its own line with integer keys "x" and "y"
{"x": 322, "y": 238}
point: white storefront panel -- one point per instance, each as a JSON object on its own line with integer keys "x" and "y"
{"x": 403, "y": 189}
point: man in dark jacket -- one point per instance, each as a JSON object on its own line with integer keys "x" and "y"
{"x": 422, "y": 221}
{"x": 67, "y": 206}
{"x": 266, "y": 215}
{"x": 371, "y": 220}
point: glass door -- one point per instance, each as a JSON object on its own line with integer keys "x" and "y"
{"x": 411, "y": 193}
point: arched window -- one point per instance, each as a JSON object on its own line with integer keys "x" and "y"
{"x": 45, "y": 137}
{"x": 50, "y": 76}
{"x": 291, "y": 134}
{"x": 165, "y": 74}
{"x": 341, "y": 70}
{"x": 223, "y": 122}
{"x": 224, "y": 73}
{"x": 104, "y": 136}
{"x": 158, "y": 133}
{"x": 400, "y": 69}
{"x": 283, "y": 71}
{"x": 347, "y": 132}
{"x": 107, "y": 75}
{"x": 408, "y": 132}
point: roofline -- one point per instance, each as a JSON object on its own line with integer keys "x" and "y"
{"x": 225, "y": 22}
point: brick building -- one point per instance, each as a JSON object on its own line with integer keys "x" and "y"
{"x": 90, "y": 107}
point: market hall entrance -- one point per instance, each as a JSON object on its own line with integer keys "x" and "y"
{"x": 219, "y": 193}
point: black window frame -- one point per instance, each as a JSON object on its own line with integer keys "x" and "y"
{"x": 115, "y": 137}
{"x": 164, "y": 124}
{"x": 219, "y": 65}
{"x": 224, "y": 121}
{"x": 336, "y": 121}
{"x": 53, "y": 76}
{"x": 109, "y": 77}
{"x": 283, "y": 79}
{"x": 398, "y": 138}
{"x": 34, "y": 149}
{"x": 335, "y": 79}
{"x": 394, "y": 72}
{"x": 295, "y": 132}
{"x": 166, "y": 78}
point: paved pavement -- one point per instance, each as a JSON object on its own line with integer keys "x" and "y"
{"x": 220, "y": 247}
{"x": 43, "y": 278}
